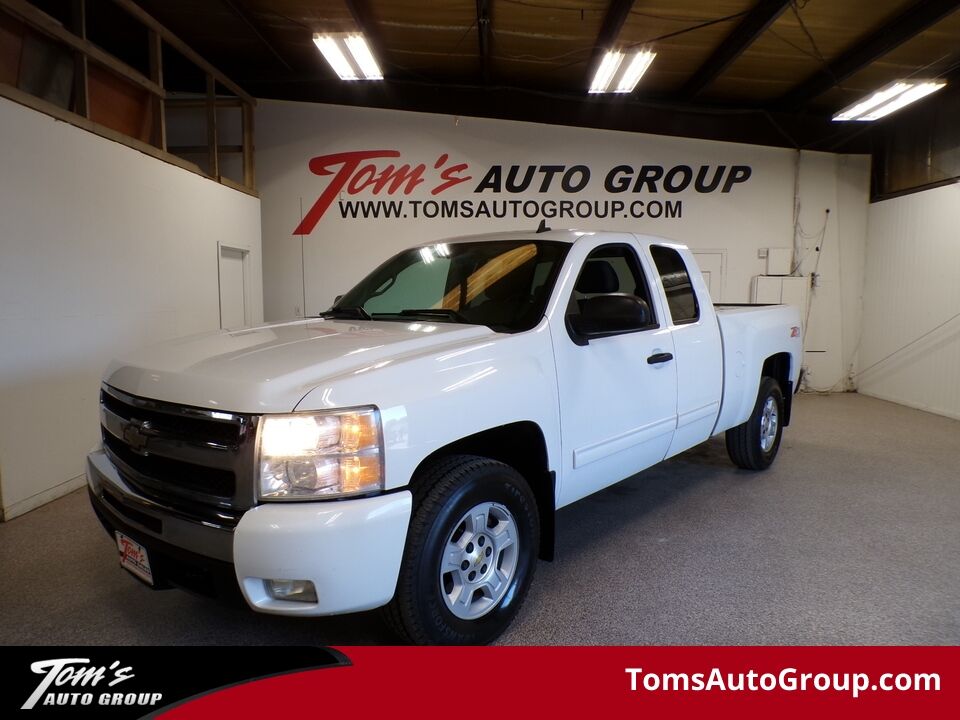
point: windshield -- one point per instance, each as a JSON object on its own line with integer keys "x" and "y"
{"x": 502, "y": 284}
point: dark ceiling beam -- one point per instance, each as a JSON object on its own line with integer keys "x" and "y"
{"x": 753, "y": 24}
{"x": 237, "y": 9}
{"x": 908, "y": 24}
{"x": 617, "y": 13}
{"x": 483, "y": 37}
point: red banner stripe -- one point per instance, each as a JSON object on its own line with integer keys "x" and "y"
{"x": 584, "y": 682}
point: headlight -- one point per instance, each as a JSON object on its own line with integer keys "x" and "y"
{"x": 320, "y": 455}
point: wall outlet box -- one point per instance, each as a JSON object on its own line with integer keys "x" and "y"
{"x": 762, "y": 254}
{"x": 779, "y": 261}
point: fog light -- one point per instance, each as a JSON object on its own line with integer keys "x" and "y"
{"x": 292, "y": 590}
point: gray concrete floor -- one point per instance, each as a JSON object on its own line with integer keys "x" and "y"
{"x": 853, "y": 537}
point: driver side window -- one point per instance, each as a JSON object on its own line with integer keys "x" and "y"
{"x": 611, "y": 269}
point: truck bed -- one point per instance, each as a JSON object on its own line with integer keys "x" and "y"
{"x": 749, "y": 334}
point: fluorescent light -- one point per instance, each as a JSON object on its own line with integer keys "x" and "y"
{"x": 358, "y": 47}
{"x": 878, "y": 98}
{"x": 888, "y": 99}
{"x": 616, "y": 76}
{"x": 334, "y": 55}
{"x": 635, "y": 70}
{"x": 608, "y": 66}
{"x": 349, "y": 56}
{"x": 906, "y": 98}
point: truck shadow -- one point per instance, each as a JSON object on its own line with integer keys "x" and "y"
{"x": 605, "y": 513}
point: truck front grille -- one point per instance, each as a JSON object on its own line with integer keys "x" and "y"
{"x": 195, "y": 461}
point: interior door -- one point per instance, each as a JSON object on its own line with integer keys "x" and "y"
{"x": 233, "y": 288}
{"x": 711, "y": 264}
{"x": 618, "y": 394}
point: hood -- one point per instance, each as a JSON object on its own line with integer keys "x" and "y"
{"x": 271, "y": 367}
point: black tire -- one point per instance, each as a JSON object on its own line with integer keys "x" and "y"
{"x": 443, "y": 494}
{"x": 744, "y": 442}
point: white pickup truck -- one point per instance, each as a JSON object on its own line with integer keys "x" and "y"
{"x": 409, "y": 447}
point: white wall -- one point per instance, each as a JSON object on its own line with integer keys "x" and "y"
{"x": 913, "y": 285}
{"x": 839, "y": 183}
{"x": 755, "y": 214}
{"x": 102, "y": 248}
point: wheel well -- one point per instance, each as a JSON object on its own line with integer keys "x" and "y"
{"x": 520, "y": 445}
{"x": 778, "y": 367}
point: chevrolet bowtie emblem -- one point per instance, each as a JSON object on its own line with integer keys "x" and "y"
{"x": 136, "y": 435}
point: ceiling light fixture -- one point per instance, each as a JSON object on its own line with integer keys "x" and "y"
{"x": 358, "y": 47}
{"x": 615, "y": 76}
{"x": 888, "y": 99}
{"x": 348, "y": 55}
{"x": 608, "y": 66}
{"x": 635, "y": 70}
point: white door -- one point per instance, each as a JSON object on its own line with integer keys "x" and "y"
{"x": 618, "y": 394}
{"x": 696, "y": 337}
{"x": 233, "y": 288}
{"x": 711, "y": 264}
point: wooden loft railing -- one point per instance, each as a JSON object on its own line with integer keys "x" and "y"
{"x": 49, "y": 64}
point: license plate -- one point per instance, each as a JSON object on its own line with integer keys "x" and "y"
{"x": 133, "y": 557}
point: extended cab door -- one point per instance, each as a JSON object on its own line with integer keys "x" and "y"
{"x": 696, "y": 340}
{"x": 618, "y": 392}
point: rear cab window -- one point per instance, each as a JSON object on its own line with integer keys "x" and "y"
{"x": 681, "y": 297}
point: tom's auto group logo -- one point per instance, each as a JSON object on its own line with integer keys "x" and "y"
{"x": 72, "y": 681}
{"x": 545, "y": 190}
{"x": 136, "y": 682}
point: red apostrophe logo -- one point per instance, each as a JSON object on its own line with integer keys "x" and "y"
{"x": 356, "y": 171}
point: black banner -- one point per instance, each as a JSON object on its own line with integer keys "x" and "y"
{"x": 115, "y": 683}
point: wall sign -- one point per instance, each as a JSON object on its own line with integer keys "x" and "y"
{"x": 379, "y": 184}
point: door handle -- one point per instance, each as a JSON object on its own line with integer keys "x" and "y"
{"x": 657, "y": 358}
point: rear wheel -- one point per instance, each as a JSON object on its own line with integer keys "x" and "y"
{"x": 470, "y": 555}
{"x": 754, "y": 444}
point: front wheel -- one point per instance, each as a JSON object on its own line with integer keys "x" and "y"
{"x": 470, "y": 555}
{"x": 754, "y": 444}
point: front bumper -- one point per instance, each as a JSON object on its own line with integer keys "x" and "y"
{"x": 349, "y": 549}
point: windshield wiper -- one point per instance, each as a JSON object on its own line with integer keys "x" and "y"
{"x": 441, "y": 313}
{"x": 348, "y": 312}
{"x": 436, "y": 312}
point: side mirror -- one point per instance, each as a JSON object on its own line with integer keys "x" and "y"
{"x": 337, "y": 299}
{"x": 609, "y": 314}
